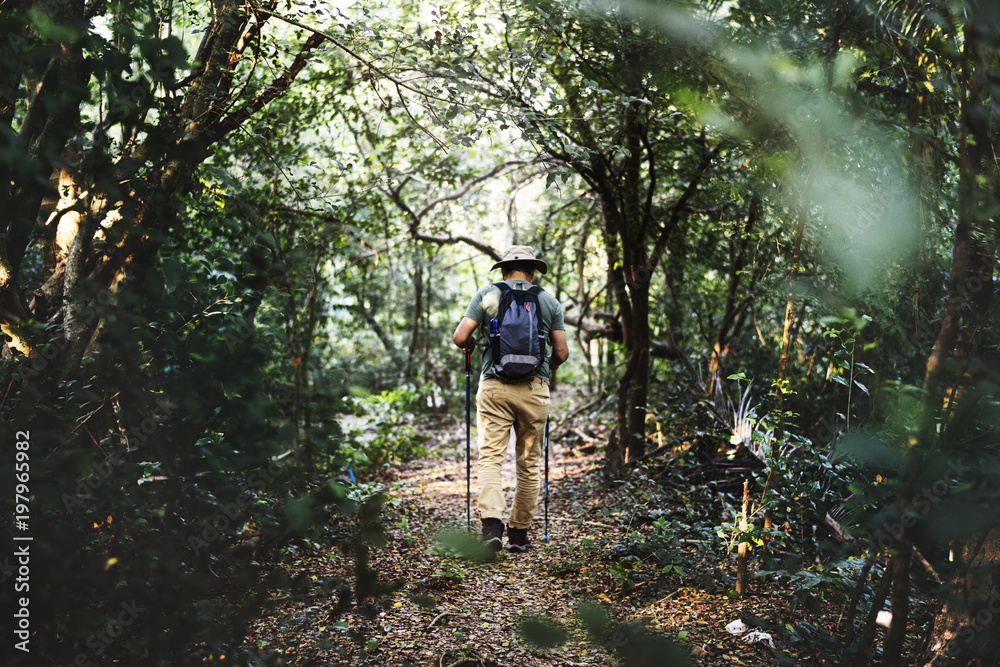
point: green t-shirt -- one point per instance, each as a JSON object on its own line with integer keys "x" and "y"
{"x": 485, "y": 305}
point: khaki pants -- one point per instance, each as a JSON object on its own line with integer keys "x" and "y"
{"x": 525, "y": 407}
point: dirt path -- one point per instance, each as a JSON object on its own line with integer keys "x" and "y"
{"x": 454, "y": 611}
{"x": 450, "y": 607}
{"x": 479, "y": 605}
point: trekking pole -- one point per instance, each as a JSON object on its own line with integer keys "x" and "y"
{"x": 546, "y": 478}
{"x": 468, "y": 436}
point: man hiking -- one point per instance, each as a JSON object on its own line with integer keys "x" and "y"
{"x": 521, "y": 323}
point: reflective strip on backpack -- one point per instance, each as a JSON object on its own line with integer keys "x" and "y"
{"x": 525, "y": 359}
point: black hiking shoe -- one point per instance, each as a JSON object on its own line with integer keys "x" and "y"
{"x": 493, "y": 534}
{"x": 517, "y": 540}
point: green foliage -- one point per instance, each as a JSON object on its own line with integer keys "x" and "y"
{"x": 391, "y": 428}
{"x": 846, "y": 328}
{"x": 671, "y": 532}
{"x": 630, "y": 642}
{"x": 815, "y": 638}
{"x": 542, "y": 632}
{"x": 814, "y": 584}
{"x": 461, "y": 544}
{"x": 236, "y": 294}
{"x": 656, "y": 548}
{"x": 809, "y": 482}
{"x": 168, "y": 523}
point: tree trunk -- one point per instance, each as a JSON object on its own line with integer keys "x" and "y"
{"x": 975, "y": 140}
{"x": 967, "y": 630}
{"x": 418, "y": 313}
{"x": 786, "y": 334}
{"x": 735, "y": 303}
{"x": 741, "y": 554}
{"x": 134, "y": 231}
{"x": 633, "y": 388}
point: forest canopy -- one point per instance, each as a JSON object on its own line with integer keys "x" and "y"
{"x": 237, "y": 236}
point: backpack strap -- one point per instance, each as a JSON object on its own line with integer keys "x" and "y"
{"x": 537, "y": 291}
{"x": 494, "y": 336}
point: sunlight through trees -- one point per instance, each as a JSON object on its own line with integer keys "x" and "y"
{"x": 236, "y": 237}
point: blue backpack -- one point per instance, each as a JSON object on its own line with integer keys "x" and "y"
{"x": 516, "y": 337}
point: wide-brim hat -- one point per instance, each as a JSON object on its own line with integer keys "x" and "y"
{"x": 521, "y": 254}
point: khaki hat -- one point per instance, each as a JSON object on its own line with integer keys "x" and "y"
{"x": 521, "y": 253}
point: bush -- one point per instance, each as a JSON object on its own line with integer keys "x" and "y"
{"x": 387, "y": 428}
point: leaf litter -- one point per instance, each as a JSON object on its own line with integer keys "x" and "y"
{"x": 455, "y": 608}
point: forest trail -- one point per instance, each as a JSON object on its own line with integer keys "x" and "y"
{"x": 478, "y": 607}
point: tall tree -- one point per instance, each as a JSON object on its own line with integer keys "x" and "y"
{"x": 119, "y": 165}
{"x": 591, "y": 91}
{"x": 128, "y": 308}
{"x": 962, "y": 633}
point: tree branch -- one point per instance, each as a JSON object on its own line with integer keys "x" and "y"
{"x": 659, "y": 248}
{"x": 370, "y": 65}
{"x": 468, "y": 186}
{"x": 277, "y": 87}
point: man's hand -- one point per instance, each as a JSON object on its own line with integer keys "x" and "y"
{"x": 463, "y": 334}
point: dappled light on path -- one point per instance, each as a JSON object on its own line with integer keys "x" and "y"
{"x": 451, "y": 609}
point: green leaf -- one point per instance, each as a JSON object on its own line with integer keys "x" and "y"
{"x": 423, "y": 601}
{"x": 595, "y": 619}
{"x": 542, "y": 632}
{"x": 465, "y": 545}
{"x": 839, "y": 379}
{"x": 869, "y": 449}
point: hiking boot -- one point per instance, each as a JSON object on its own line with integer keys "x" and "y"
{"x": 517, "y": 540}
{"x": 493, "y": 534}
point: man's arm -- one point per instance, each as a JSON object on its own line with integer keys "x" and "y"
{"x": 463, "y": 333}
{"x": 560, "y": 350}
